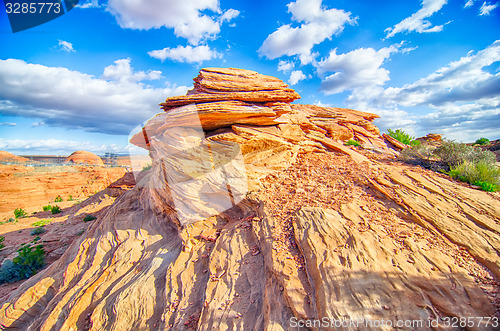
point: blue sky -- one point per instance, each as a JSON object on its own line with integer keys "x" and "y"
{"x": 89, "y": 77}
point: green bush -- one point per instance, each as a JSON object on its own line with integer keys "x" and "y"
{"x": 26, "y": 264}
{"x": 482, "y": 141}
{"x": 89, "y": 218}
{"x": 37, "y": 231}
{"x": 352, "y": 142}
{"x": 20, "y": 213}
{"x": 403, "y": 137}
{"x": 2, "y": 239}
{"x": 452, "y": 153}
{"x": 70, "y": 198}
{"x": 483, "y": 174}
{"x": 11, "y": 220}
{"x": 58, "y": 199}
{"x": 146, "y": 167}
{"x": 47, "y": 208}
{"x": 42, "y": 222}
{"x": 56, "y": 210}
{"x": 485, "y": 186}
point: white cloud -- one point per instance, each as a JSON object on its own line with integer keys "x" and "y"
{"x": 114, "y": 103}
{"x": 36, "y": 124}
{"x": 56, "y": 146}
{"x": 417, "y": 22}
{"x": 318, "y": 24}
{"x": 65, "y": 46}
{"x": 285, "y": 66}
{"x": 121, "y": 71}
{"x": 187, "y": 54}
{"x": 187, "y": 18}
{"x": 487, "y": 8}
{"x": 229, "y": 15}
{"x": 360, "y": 68}
{"x": 464, "y": 97}
{"x": 296, "y": 76}
{"x": 469, "y": 3}
{"x": 88, "y": 4}
{"x": 8, "y": 124}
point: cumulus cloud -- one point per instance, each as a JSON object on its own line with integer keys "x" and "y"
{"x": 229, "y": 15}
{"x": 486, "y": 8}
{"x": 317, "y": 24}
{"x": 187, "y": 54}
{"x": 359, "y": 68}
{"x": 296, "y": 76}
{"x": 418, "y": 22}
{"x": 188, "y": 18}
{"x": 113, "y": 104}
{"x": 7, "y": 124}
{"x": 65, "y": 46}
{"x": 285, "y": 66}
{"x": 121, "y": 71}
{"x": 464, "y": 96}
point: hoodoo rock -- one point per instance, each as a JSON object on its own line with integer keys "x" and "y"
{"x": 256, "y": 216}
{"x": 84, "y": 157}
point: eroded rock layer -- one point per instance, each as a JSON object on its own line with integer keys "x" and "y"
{"x": 254, "y": 214}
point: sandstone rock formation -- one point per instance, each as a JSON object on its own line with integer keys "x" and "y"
{"x": 84, "y": 157}
{"x": 254, "y": 213}
{"x": 9, "y": 157}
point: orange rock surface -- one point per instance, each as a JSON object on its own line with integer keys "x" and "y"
{"x": 254, "y": 214}
{"x": 9, "y": 157}
{"x": 84, "y": 157}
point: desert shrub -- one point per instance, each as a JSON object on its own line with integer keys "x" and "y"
{"x": 56, "y": 210}
{"x": 485, "y": 186}
{"x": 146, "y": 167}
{"x": 422, "y": 155}
{"x": 37, "y": 231}
{"x": 452, "y": 153}
{"x": 89, "y": 218}
{"x": 42, "y": 222}
{"x": 28, "y": 261}
{"x": 483, "y": 174}
{"x": 2, "y": 239}
{"x": 47, "y": 208}
{"x": 482, "y": 141}
{"x": 58, "y": 199}
{"x": 352, "y": 142}
{"x": 20, "y": 213}
{"x": 11, "y": 220}
{"x": 70, "y": 198}
{"x": 403, "y": 137}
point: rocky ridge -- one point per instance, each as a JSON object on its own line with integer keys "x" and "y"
{"x": 254, "y": 212}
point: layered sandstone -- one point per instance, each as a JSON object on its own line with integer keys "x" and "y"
{"x": 254, "y": 212}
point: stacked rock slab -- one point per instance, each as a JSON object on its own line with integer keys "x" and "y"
{"x": 317, "y": 231}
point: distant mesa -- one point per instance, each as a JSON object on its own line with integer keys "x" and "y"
{"x": 84, "y": 157}
{"x": 9, "y": 157}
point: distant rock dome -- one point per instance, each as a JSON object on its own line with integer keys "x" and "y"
{"x": 84, "y": 157}
{"x": 9, "y": 157}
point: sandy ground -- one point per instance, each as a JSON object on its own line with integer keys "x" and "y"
{"x": 31, "y": 188}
